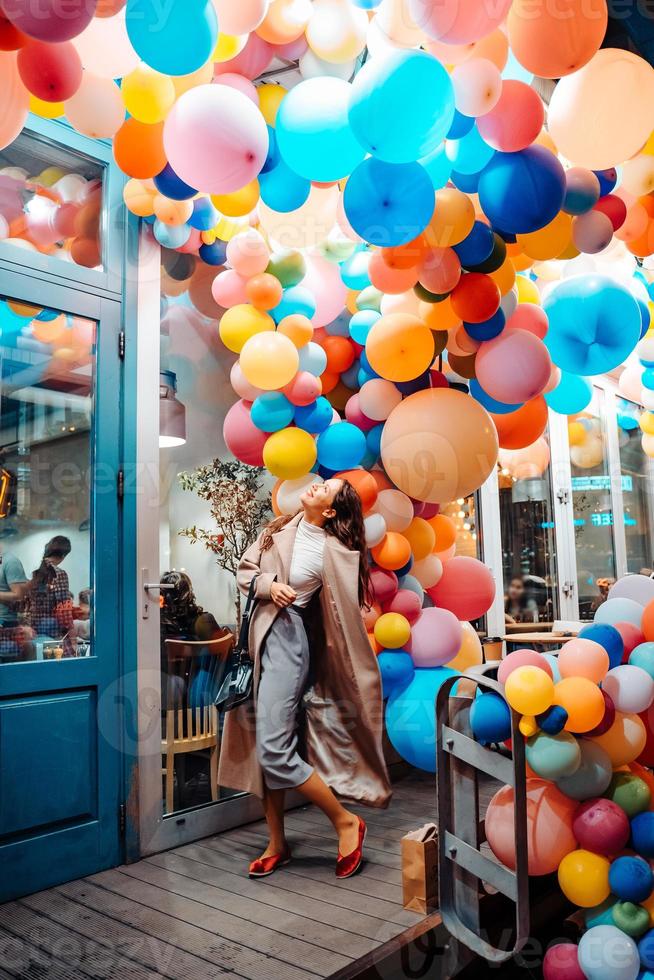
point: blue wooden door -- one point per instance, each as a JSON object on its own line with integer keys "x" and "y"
{"x": 60, "y": 659}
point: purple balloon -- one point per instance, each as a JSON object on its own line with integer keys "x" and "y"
{"x": 50, "y": 20}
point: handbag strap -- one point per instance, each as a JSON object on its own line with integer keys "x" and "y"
{"x": 245, "y": 619}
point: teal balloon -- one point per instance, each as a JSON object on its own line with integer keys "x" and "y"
{"x": 361, "y": 324}
{"x": 593, "y": 775}
{"x": 354, "y": 271}
{"x": 171, "y": 236}
{"x": 643, "y": 656}
{"x": 470, "y": 154}
{"x": 620, "y": 610}
{"x": 388, "y": 203}
{"x": 313, "y": 130}
{"x": 411, "y": 717}
{"x": 572, "y": 394}
{"x": 594, "y": 324}
{"x": 402, "y": 105}
{"x": 282, "y": 189}
{"x": 600, "y": 915}
{"x": 174, "y": 38}
{"x": 553, "y": 756}
{"x": 295, "y": 299}
{"x": 341, "y": 446}
{"x": 272, "y": 411}
{"x": 437, "y": 166}
{"x": 554, "y": 664}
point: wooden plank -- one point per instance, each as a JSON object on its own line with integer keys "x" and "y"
{"x": 223, "y": 924}
{"x": 194, "y": 937}
{"x": 253, "y": 912}
{"x": 309, "y": 882}
{"x": 164, "y": 958}
{"x": 315, "y": 908}
{"x": 375, "y": 841}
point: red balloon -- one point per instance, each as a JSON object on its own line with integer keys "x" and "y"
{"x": 601, "y": 826}
{"x": 632, "y": 636}
{"x": 515, "y": 120}
{"x": 50, "y": 20}
{"x": 340, "y": 353}
{"x": 406, "y": 603}
{"x": 466, "y": 588}
{"x": 646, "y": 757}
{"x": 384, "y": 584}
{"x": 607, "y": 720}
{"x": 10, "y": 37}
{"x": 52, "y": 72}
{"x": 614, "y": 208}
{"x": 475, "y": 298}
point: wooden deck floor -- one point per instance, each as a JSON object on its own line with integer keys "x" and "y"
{"x": 192, "y": 914}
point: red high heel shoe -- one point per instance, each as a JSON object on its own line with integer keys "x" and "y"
{"x": 348, "y": 864}
{"x": 265, "y": 866}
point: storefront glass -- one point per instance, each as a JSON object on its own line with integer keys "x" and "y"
{"x": 635, "y": 476}
{"x": 47, "y": 372}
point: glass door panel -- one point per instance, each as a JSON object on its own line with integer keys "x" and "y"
{"x": 636, "y": 481}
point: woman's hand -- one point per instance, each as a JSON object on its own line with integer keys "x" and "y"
{"x": 282, "y": 595}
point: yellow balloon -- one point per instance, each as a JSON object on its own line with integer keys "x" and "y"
{"x": 269, "y": 360}
{"x": 584, "y": 878}
{"x": 228, "y": 46}
{"x": 392, "y": 630}
{"x": 646, "y": 423}
{"x": 528, "y": 726}
{"x": 529, "y": 690}
{"x": 289, "y": 453}
{"x": 470, "y": 652}
{"x": 238, "y": 203}
{"x": 453, "y": 218}
{"x": 647, "y": 443}
{"x": 624, "y": 741}
{"x": 50, "y": 176}
{"x": 527, "y": 290}
{"x": 227, "y": 228}
{"x": 208, "y": 237}
{"x": 147, "y": 94}
{"x": 241, "y": 322}
{"x": 139, "y": 198}
{"x": 270, "y": 99}
{"x": 47, "y": 110}
{"x": 576, "y": 434}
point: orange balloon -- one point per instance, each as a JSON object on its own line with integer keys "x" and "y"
{"x": 285, "y": 21}
{"x": 364, "y": 484}
{"x": 405, "y": 256}
{"x": 439, "y": 316}
{"x": 297, "y": 328}
{"x": 583, "y": 701}
{"x": 421, "y": 537}
{"x": 264, "y": 291}
{"x": 382, "y": 481}
{"x": 551, "y": 44}
{"x": 518, "y": 429}
{"x": 399, "y": 347}
{"x": 625, "y": 739}
{"x": 504, "y": 276}
{"x": 391, "y": 279}
{"x": 340, "y": 354}
{"x": 329, "y": 381}
{"x": 50, "y": 331}
{"x": 138, "y": 148}
{"x": 374, "y": 643}
{"x": 393, "y": 551}
{"x": 452, "y": 220}
{"x": 444, "y": 530}
{"x": 647, "y": 625}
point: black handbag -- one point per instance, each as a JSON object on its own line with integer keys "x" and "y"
{"x": 237, "y": 685}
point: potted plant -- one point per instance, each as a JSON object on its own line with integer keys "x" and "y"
{"x": 239, "y": 506}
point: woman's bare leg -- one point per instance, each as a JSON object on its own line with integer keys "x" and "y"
{"x": 273, "y": 806}
{"x": 346, "y": 823}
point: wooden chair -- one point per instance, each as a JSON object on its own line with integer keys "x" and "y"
{"x": 195, "y": 670}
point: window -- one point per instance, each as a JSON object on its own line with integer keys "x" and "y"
{"x": 635, "y": 476}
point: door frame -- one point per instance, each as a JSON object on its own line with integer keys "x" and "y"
{"x": 112, "y": 682}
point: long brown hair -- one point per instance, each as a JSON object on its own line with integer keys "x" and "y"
{"x": 346, "y": 526}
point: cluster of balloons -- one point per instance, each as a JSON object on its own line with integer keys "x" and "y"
{"x": 66, "y": 341}
{"x": 55, "y": 213}
{"x": 590, "y": 803}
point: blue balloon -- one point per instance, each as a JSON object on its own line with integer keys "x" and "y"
{"x": 314, "y": 417}
{"x": 644, "y": 317}
{"x": 402, "y": 105}
{"x": 620, "y": 610}
{"x": 176, "y": 39}
{"x": 608, "y": 637}
{"x": 342, "y": 446}
{"x": 631, "y": 879}
{"x": 312, "y": 358}
{"x": 361, "y": 323}
{"x": 600, "y": 915}
{"x": 488, "y": 328}
{"x": 396, "y": 669}
{"x": 214, "y": 254}
{"x": 295, "y": 299}
{"x": 282, "y": 189}
{"x": 460, "y": 125}
{"x": 553, "y": 661}
{"x": 373, "y": 440}
{"x": 271, "y": 411}
{"x": 405, "y": 569}
{"x": 642, "y": 833}
{"x": 607, "y": 953}
{"x": 201, "y": 691}
{"x": 354, "y": 271}
{"x": 522, "y": 192}
{"x": 171, "y": 236}
{"x": 273, "y": 158}
{"x": 388, "y": 203}
{"x": 470, "y": 154}
{"x": 466, "y": 182}
{"x": 491, "y": 404}
{"x": 204, "y": 216}
{"x": 594, "y": 324}
{"x": 477, "y": 245}
{"x": 643, "y": 656}
{"x": 490, "y": 718}
{"x": 438, "y": 167}
{"x": 350, "y": 378}
{"x": 572, "y": 394}
{"x": 365, "y": 375}
{"x": 340, "y": 327}
{"x": 608, "y": 179}
{"x": 411, "y": 717}
{"x": 646, "y": 950}
{"x": 46, "y": 315}
{"x": 648, "y": 379}
{"x": 313, "y": 130}
{"x": 170, "y": 185}
{"x": 553, "y": 720}
{"x": 514, "y": 70}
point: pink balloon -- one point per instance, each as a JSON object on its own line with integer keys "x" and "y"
{"x": 354, "y": 414}
{"x": 50, "y": 20}
{"x": 529, "y": 317}
{"x": 239, "y": 82}
{"x": 562, "y": 963}
{"x": 383, "y": 584}
{"x": 592, "y": 232}
{"x": 460, "y": 22}
{"x": 293, "y": 50}
{"x": 522, "y": 658}
{"x": 515, "y": 120}
{"x": 228, "y": 288}
{"x": 241, "y": 385}
{"x": 15, "y": 99}
{"x": 436, "y": 637}
{"x": 440, "y": 270}
{"x": 513, "y": 367}
{"x": 251, "y": 61}
{"x": 248, "y": 253}
{"x": 241, "y": 17}
{"x": 323, "y": 280}
{"x": 192, "y": 244}
{"x": 466, "y": 587}
{"x": 406, "y": 603}
{"x": 242, "y": 437}
{"x": 303, "y": 389}
{"x": 215, "y": 139}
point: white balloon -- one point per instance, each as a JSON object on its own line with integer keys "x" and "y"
{"x": 311, "y": 66}
{"x": 647, "y": 399}
{"x": 375, "y": 528}
{"x": 640, "y": 588}
{"x": 630, "y": 688}
{"x": 290, "y": 491}
{"x": 396, "y": 509}
{"x": 509, "y": 302}
{"x": 428, "y": 571}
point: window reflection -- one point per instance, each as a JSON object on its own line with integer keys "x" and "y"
{"x": 528, "y": 542}
{"x": 634, "y": 474}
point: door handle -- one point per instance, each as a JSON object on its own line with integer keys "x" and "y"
{"x": 147, "y": 588}
{"x": 157, "y": 586}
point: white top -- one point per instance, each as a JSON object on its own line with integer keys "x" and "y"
{"x": 306, "y": 564}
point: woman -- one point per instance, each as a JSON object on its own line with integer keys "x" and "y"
{"x": 181, "y": 617}
{"x": 49, "y": 602}
{"x": 310, "y": 648}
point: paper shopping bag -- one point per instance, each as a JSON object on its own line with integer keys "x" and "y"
{"x": 420, "y": 869}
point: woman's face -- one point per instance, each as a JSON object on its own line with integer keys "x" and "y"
{"x": 516, "y": 589}
{"x": 317, "y": 499}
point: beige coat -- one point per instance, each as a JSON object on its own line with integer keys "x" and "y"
{"x": 343, "y": 717}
